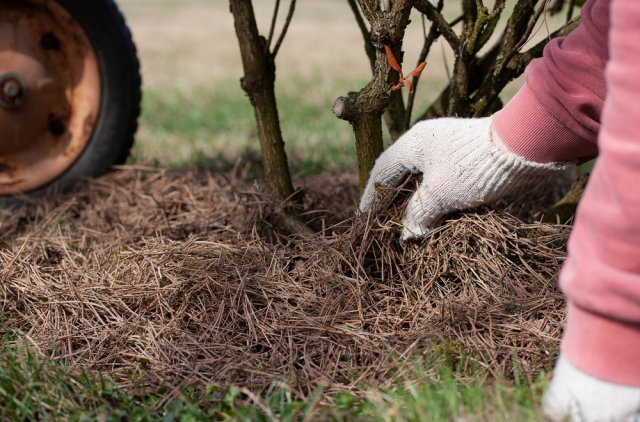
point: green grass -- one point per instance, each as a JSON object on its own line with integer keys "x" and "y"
{"x": 214, "y": 127}
{"x": 36, "y": 388}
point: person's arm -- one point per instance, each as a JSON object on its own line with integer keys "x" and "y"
{"x": 555, "y": 116}
{"x": 600, "y": 377}
{"x": 602, "y": 274}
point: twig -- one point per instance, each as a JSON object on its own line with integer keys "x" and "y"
{"x": 520, "y": 23}
{"x": 530, "y": 26}
{"x": 490, "y": 88}
{"x": 556, "y": 6}
{"x": 274, "y": 18}
{"x": 490, "y": 24}
{"x": 429, "y": 39}
{"x": 432, "y": 13}
{"x": 498, "y": 7}
{"x": 536, "y": 51}
{"x": 570, "y": 11}
{"x": 359, "y": 19}
{"x": 287, "y": 21}
{"x": 447, "y": 69}
{"x": 366, "y": 35}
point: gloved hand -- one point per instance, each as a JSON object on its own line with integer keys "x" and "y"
{"x": 578, "y": 397}
{"x": 461, "y": 166}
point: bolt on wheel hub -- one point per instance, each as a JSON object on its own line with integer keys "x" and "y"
{"x": 12, "y": 91}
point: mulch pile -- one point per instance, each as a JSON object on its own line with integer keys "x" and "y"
{"x": 169, "y": 278}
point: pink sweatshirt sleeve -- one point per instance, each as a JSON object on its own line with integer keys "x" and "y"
{"x": 556, "y": 117}
{"x": 556, "y": 114}
{"x": 602, "y": 274}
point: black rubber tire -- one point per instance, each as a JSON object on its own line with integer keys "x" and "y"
{"x": 121, "y": 94}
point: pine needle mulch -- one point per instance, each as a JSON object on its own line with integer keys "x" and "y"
{"x": 172, "y": 278}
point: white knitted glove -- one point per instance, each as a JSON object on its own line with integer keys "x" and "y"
{"x": 461, "y": 168}
{"x": 579, "y": 397}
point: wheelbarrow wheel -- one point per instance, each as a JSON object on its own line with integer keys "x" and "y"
{"x": 69, "y": 93}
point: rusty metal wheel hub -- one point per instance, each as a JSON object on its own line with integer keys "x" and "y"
{"x": 49, "y": 93}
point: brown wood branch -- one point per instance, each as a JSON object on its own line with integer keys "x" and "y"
{"x": 531, "y": 25}
{"x": 474, "y": 14}
{"x": 480, "y": 67}
{"x": 366, "y": 35}
{"x": 478, "y": 70}
{"x": 556, "y": 6}
{"x": 491, "y": 23}
{"x": 536, "y": 51}
{"x": 274, "y": 18}
{"x": 460, "y": 79}
{"x": 395, "y": 112}
{"x": 460, "y": 86}
{"x": 369, "y": 9}
{"x": 514, "y": 30}
{"x": 571, "y": 4}
{"x": 491, "y": 87}
{"x": 431, "y": 37}
{"x": 498, "y": 7}
{"x": 258, "y": 82}
{"x": 287, "y": 21}
{"x": 432, "y": 13}
{"x": 394, "y": 115}
{"x": 367, "y": 129}
{"x": 364, "y": 109}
